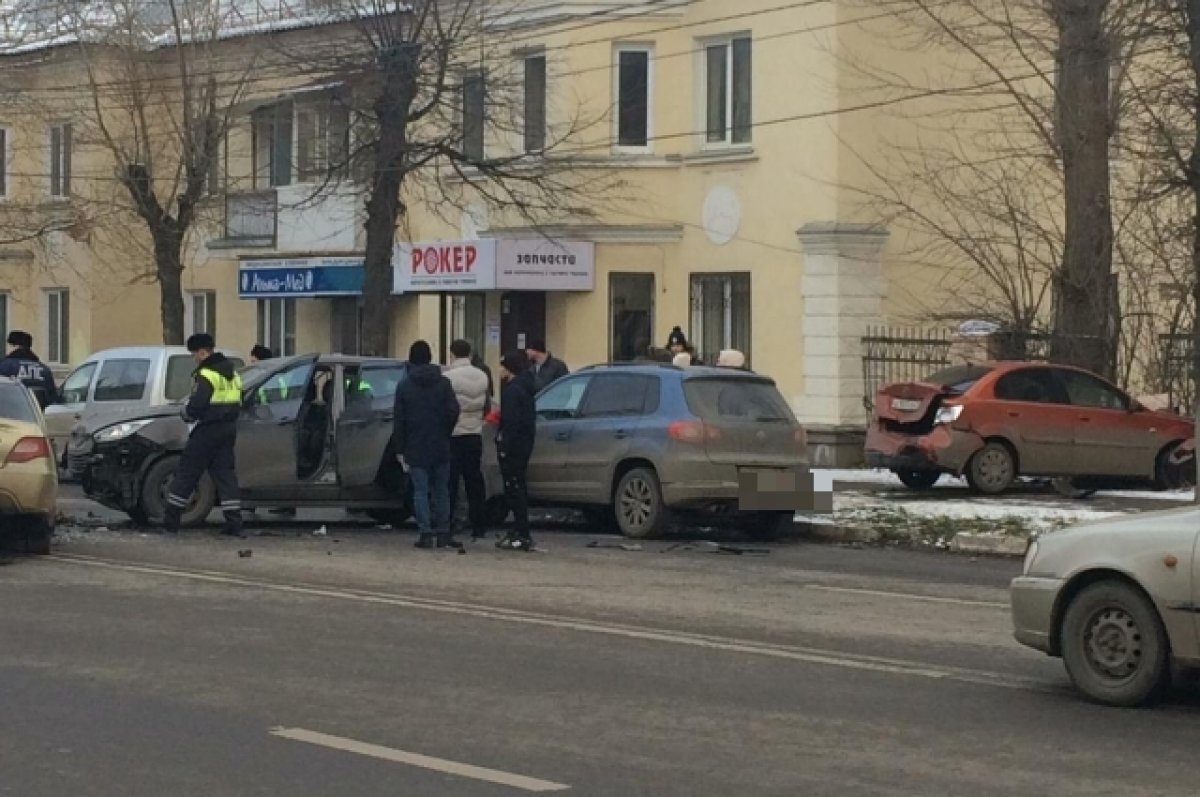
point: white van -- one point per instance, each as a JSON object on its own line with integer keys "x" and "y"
{"x": 115, "y": 381}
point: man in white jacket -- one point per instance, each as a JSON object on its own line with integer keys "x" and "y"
{"x": 466, "y": 446}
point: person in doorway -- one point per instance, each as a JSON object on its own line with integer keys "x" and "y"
{"x": 23, "y": 364}
{"x": 514, "y": 444}
{"x": 212, "y": 410}
{"x": 426, "y": 412}
{"x": 546, "y": 368}
{"x": 472, "y": 389}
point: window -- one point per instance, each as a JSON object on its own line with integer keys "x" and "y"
{"x": 474, "y": 112}
{"x": 728, "y": 95}
{"x": 214, "y": 183}
{"x": 15, "y": 404}
{"x": 75, "y": 389}
{"x": 273, "y": 146}
{"x": 720, "y": 314}
{"x": 1035, "y": 385}
{"x": 277, "y": 325}
{"x": 535, "y": 103}
{"x": 622, "y": 395}
{"x": 563, "y": 399}
{"x": 201, "y": 312}
{"x": 322, "y": 139}
{"x": 634, "y": 128}
{"x": 1085, "y": 390}
{"x": 122, "y": 380}
{"x": 179, "y": 377}
{"x": 748, "y": 399}
{"x": 467, "y": 321}
{"x": 382, "y": 381}
{"x": 631, "y": 316}
{"x": 58, "y": 325}
{"x": 958, "y": 378}
{"x": 285, "y": 391}
{"x": 3, "y": 164}
{"x": 60, "y": 161}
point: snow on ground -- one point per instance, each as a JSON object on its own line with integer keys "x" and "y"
{"x": 1033, "y": 515}
{"x": 824, "y": 479}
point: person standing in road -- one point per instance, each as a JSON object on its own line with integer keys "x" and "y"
{"x": 547, "y": 369}
{"x": 23, "y": 364}
{"x": 471, "y": 387}
{"x": 212, "y": 410}
{"x": 514, "y": 444}
{"x": 426, "y": 412}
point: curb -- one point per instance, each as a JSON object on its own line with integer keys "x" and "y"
{"x": 963, "y": 543}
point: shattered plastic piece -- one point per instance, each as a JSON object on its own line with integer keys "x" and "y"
{"x": 245, "y": 553}
{"x": 621, "y": 546}
{"x": 384, "y": 527}
{"x": 321, "y": 532}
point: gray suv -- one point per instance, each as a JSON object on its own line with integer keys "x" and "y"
{"x": 637, "y": 445}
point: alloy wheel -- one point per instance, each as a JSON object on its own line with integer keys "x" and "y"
{"x": 637, "y": 503}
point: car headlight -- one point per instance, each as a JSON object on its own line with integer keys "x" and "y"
{"x": 111, "y": 434}
{"x": 948, "y": 414}
{"x": 1030, "y": 554}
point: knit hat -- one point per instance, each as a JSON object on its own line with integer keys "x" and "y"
{"x": 420, "y": 354}
{"x": 20, "y": 339}
{"x": 515, "y": 362}
{"x": 676, "y": 338}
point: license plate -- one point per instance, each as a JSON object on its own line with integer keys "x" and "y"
{"x": 906, "y": 405}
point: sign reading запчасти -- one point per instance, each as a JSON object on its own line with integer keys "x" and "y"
{"x": 535, "y": 264}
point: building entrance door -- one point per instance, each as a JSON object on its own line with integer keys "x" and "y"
{"x": 522, "y": 319}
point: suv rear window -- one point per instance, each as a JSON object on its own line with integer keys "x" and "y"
{"x": 16, "y": 404}
{"x": 960, "y": 378}
{"x": 729, "y": 399}
{"x": 122, "y": 380}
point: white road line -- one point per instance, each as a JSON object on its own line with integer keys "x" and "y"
{"x": 418, "y": 760}
{"x": 908, "y": 596}
{"x": 831, "y": 658}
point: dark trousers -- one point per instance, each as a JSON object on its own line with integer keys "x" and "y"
{"x": 513, "y": 467}
{"x": 466, "y": 463}
{"x": 210, "y": 448}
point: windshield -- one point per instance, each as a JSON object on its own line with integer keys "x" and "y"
{"x": 960, "y": 378}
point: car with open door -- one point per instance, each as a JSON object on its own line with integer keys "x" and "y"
{"x": 314, "y": 431}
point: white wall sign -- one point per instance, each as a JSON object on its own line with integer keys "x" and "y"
{"x": 535, "y": 264}
{"x": 540, "y": 264}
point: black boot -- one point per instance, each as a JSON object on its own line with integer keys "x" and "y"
{"x": 233, "y": 525}
{"x": 171, "y": 520}
{"x": 426, "y": 541}
{"x": 448, "y": 541}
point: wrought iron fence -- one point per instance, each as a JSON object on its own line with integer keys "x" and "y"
{"x": 901, "y": 355}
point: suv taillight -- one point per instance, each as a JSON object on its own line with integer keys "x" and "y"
{"x": 28, "y": 449}
{"x": 696, "y": 432}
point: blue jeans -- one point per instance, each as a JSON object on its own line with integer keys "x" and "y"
{"x": 431, "y": 486}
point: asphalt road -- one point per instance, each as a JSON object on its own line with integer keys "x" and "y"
{"x": 352, "y": 664}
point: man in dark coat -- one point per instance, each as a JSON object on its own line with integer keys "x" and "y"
{"x": 426, "y": 414}
{"x": 546, "y": 368}
{"x": 514, "y": 444}
{"x": 23, "y": 364}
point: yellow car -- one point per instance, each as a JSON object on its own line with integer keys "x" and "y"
{"x": 28, "y": 476}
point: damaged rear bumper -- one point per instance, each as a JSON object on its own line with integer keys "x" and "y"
{"x": 943, "y": 449}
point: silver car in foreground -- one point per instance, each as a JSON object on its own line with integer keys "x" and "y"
{"x": 1117, "y": 600}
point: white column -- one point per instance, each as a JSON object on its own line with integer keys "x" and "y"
{"x": 843, "y": 296}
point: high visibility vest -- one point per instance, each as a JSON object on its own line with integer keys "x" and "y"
{"x": 225, "y": 391}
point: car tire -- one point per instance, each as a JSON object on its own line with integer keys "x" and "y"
{"x": 639, "y": 508}
{"x": 992, "y": 469}
{"x": 1170, "y": 476}
{"x": 918, "y": 479}
{"x": 153, "y": 501}
{"x": 1114, "y": 645}
{"x": 37, "y": 536}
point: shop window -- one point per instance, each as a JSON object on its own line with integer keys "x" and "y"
{"x": 58, "y": 325}
{"x": 631, "y": 316}
{"x": 277, "y": 325}
{"x": 468, "y": 320}
{"x": 720, "y": 314}
{"x": 201, "y": 313}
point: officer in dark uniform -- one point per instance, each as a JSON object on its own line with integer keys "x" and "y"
{"x": 22, "y": 363}
{"x": 212, "y": 410}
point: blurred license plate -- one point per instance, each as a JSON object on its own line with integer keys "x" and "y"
{"x": 906, "y": 405}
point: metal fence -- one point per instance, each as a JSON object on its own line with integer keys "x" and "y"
{"x": 901, "y": 355}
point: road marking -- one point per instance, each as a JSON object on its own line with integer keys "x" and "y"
{"x": 908, "y": 596}
{"x": 418, "y": 760}
{"x": 833, "y": 658}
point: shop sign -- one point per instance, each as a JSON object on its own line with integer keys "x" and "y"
{"x": 300, "y": 277}
{"x": 494, "y": 264}
{"x": 542, "y": 264}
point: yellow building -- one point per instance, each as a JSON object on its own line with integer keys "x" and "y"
{"x": 723, "y": 123}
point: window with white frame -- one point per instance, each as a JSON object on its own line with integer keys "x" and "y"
{"x": 277, "y": 325}
{"x": 634, "y": 94}
{"x": 322, "y": 138}
{"x": 4, "y": 145}
{"x": 535, "y": 103}
{"x": 474, "y": 115}
{"x": 720, "y": 314}
{"x": 57, "y": 305}
{"x": 60, "y": 160}
{"x": 728, "y": 91}
{"x": 272, "y": 130}
{"x": 200, "y": 312}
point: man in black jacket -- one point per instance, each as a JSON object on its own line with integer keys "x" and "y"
{"x": 546, "y": 368}
{"x": 514, "y": 444}
{"x": 426, "y": 414}
{"x": 212, "y": 410}
{"x": 22, "y": 363}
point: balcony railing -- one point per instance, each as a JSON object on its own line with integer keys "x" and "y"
{"x": 251, "y": 218}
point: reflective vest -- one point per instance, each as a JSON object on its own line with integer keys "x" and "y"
{"x": 225, "y": 391}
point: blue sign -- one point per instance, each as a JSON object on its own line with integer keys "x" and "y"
{"x": 300, "y": 277}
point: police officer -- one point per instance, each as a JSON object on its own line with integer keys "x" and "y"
{"x": 22, "y": 363}
{"x": 213, "y": 410}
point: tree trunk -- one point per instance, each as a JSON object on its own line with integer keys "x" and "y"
{"x": 1083, "y": 301}
{"x": 168, "y": 263}
{"x": 1193, "y": 33}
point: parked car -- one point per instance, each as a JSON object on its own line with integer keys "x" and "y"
{"x": 28, "y": 477}
{"x": 996, "y": 422}
{"x": 636, "y": 445}
{"x": 118, "y": 383}
{"x": 315, "y": 431}
{"x": 1116, "y": 600}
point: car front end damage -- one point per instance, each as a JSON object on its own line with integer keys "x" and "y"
{"x": 119, "y": 456}
{"x": 916, "y": 427}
